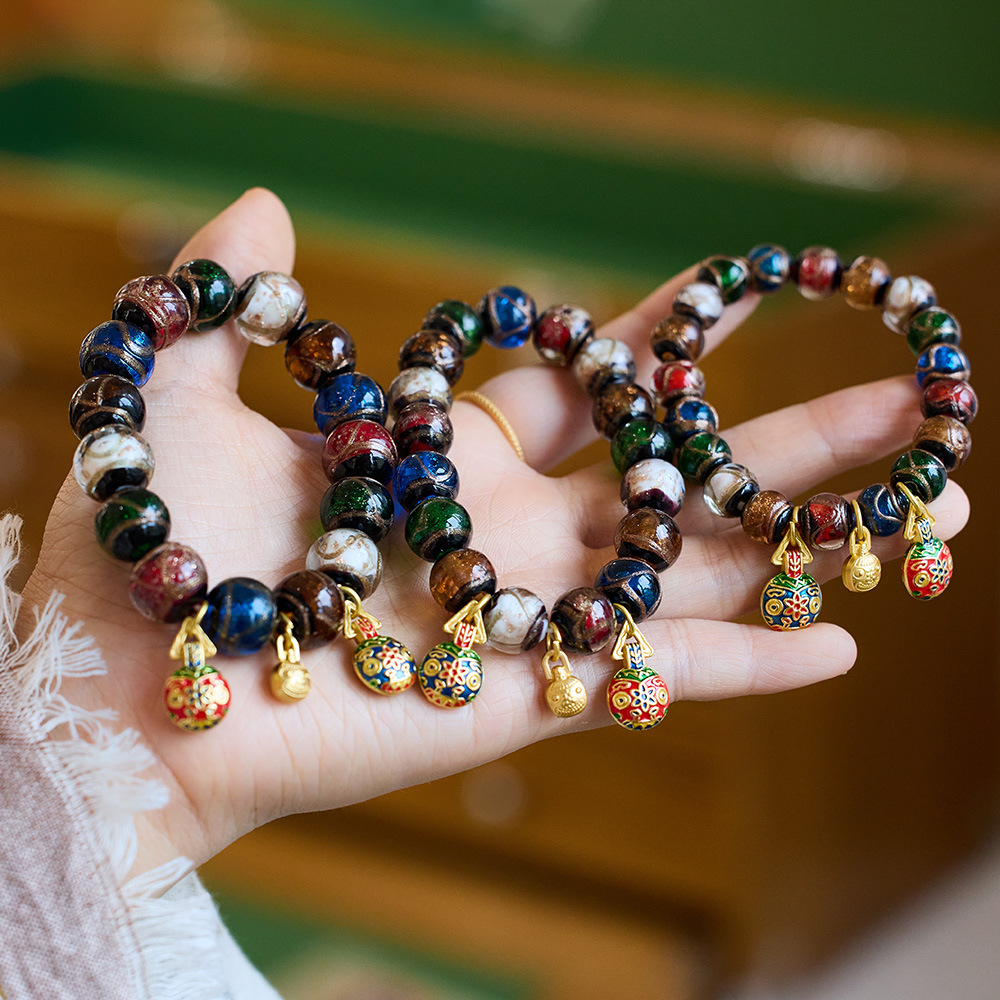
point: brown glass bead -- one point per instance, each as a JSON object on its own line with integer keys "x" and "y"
{"x": 617, "y": 404}
{"x": 315, "y": 605}
{"x": 585, "y": 618}
{"x": 103, "y": 400}
{"x": 156, "y": 305}
{"x": 650, "y": 535}
{"x": 865, "y": 281}
{"x": 317, "y": 352}
{"x": 679, "y": 337}
{"x": 946, "y": 438}
{"x": 433, "y": 349}
{"x": 459, "y": 576}
{"x": 765, "y": 517}
{"x": 825, "y": 521}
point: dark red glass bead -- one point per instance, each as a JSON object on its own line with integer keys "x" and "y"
{"x": 560, "y": 332}
{"x": 422, "y": 427}
{"x": 156, "y": 305}
{"x": 585, "y": 618}
{"x": 359, "y": 448}
{"x": 950, "y": 397}
{"x": 825, "y": 521}
{"x": 168, "y": 583}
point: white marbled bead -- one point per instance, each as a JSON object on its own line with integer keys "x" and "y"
{"x": 700, "y": 300}
{"x": 111, "y": 458}
{"x": 653, "y": 482}
{"x": 271, "y": 305}
{"x": 728, "y": 488}
{"x": 418, "y": 385}
{"x": 904, "y": 297}
{"x": 601, "y": 359}
{"x": 350, "y": 557}
{"x": 515, "y": 620}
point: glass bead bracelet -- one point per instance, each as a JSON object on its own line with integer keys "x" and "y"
{"x": 792, "y": 599}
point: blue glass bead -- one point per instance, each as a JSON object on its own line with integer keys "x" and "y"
{"x": 116, "y": 348}
{"x": 424, "y": 474}
{"x": 879, "y": 511}
{"x": 770, "y": 266}
{"x": 350, "y": 396}
{"x": 241, "y": 615}
{"x": 508, "y": 315}
{"x": 690, "y": 415}
{"x": 633, "y": 584}
{"x": 942, "y": 361}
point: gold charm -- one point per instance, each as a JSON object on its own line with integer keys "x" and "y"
{"x": 451, "y": 674}
{"x": 862, "y": 569}
{"x": 792, "y": 599}
{"x": 383, "y": 665}
{"x": 637, "y": 695}
{"x": 196, "y": 695}
{"x": 927, "y": 566}
{"x": 289, "y": 679}
{"x": 566, "y": 695}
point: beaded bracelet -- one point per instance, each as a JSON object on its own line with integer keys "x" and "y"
{"x": 792, "y": 599}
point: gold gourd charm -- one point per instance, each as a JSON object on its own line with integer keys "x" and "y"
{"x": 927, "y": 566}
{"x": 638, "y": 698}
{"x": 792, "y": 599}
{"x": 862, "y": 569}
{"x": 383, "y": 665}
{"x": 566, "y": 695}
{"x": 196, "y": 695}
{"x": 451, "y": 674}
{"x": 289, "y": 679}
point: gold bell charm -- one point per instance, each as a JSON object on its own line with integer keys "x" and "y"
{"x": 862, "y": 569}
{"x": 566, "y": 696}
{"x": 289, "y": 679}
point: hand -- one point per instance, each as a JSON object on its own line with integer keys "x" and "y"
{"x": 243, "y": 493}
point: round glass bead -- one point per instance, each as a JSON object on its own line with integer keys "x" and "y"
{"x": 433, "y": 349}
{"x": 585, "y": 618}
{"x": 168, "y": 583}
{"x": 318, "y": 352}
{"x": 315, "y": 605}
{"x": 459, "y": 576}
{"x": 418, "y": 385}
{"x": 633, "y": 584}
{"x": 701, "y": 301}
{"x": 770, "y": 266}
{"x": 650, "y": 535}
{"x": 515, "y": 620}
{"x": 942, "y": 361}
{"x": 116, "y": 348}
{"x": 355, "y": 502}
{"x": 675, "y": 379}
{"x": 111, "y": 458}
{"x": 946, "y": 438}
{"x": 359, "y": 448}
{"x": 241, "y": 616}
{"x": 384, "y": 665}
{"x": 679, "y": 337}
{"x": 825, "y": 520}
{"x": 865, "y": 282}
{"x": 269, "y": 306}
{"x": 923, "y": 474}
{"x": 600, "y": 361}
{"x": 729, "y": 274}
{"x": 655, "y": 483}
{"x": 348, "y": 396}
{"x": 436, "y": 526}
{"x": 617, "y": 404}
{"x": 424, "y": 474}
{"x": 765, "y": 517}
{"x": 104, "y": 400}
{"x": 508, "y": 315}
{"x": 880, "y": 513}
{"x": 699, "y": 454}
{"x": 450, "y": 676}
{"x": 422, "y": 427}
{"x": 950, "y": 397}
{"x": 638, "y": 440}
{"x": 817, "y": 272}
{"x": 904, "y": 297}
{"x": 132, "y": 523}
{"x": 349, "y": 557}
{"x": 156, "y": 305}
{"x": 460, "y": 320}
{"x": 689, "y": 415}
{"x": 210, "y": 292}
{"x": 560, "y": 332}
{"x": 932, "y": 326}
{"x": 728, "y": 488}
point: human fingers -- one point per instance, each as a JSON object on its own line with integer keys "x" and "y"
{"x": 552, "y": 415}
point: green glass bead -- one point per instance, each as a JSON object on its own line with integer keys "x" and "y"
{"x": 638, "y": 440}
{"x": 921, "y": 472}
{"x": 729, "y": 274}
{"x": 699, "y": 454}
{"x": 132, "y": 523}
{"x": 460, "y": 320}
{"x": 932, "y": 326}
{"x": 210, "y": 292}
{"x": 436, "y": 526}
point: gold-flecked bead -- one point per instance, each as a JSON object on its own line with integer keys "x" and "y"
{"x": 865, "y": 281}
{"x": 765, "y": 516}
{"x": 946, "y": 438}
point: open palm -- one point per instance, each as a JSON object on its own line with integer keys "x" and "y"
{"x": 244, "y": 493}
